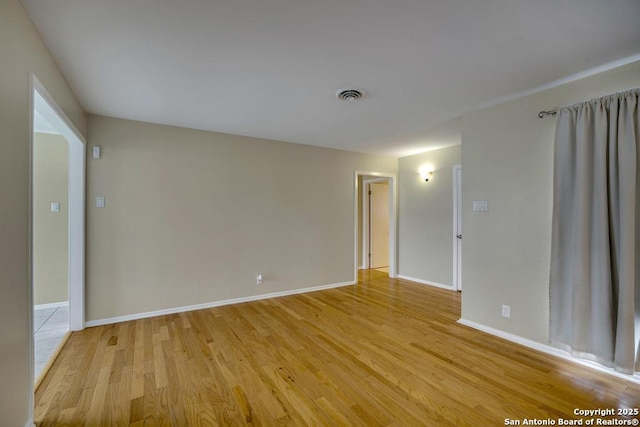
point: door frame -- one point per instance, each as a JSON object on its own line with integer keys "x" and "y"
{"x": 49, "y": 109}
{"x": 457, "y": 228}
{"x": 393, "y": 207}
{"x": 366, "y": 261}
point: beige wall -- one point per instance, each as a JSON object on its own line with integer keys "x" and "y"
{"x": 50, "y": 229}
{"x": 21, "y": 52}
{"x": 507, "y": 160}
{"x": 192, "y": 216}
{"x": 426, "y": 216}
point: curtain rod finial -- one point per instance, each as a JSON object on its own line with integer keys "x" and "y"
{"x": 543, "y": 114}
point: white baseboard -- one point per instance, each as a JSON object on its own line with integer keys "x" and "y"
{"x": 51, "y": 305}
{"x": 548, "y": 350}
{"x": 182, "y": 309}
{"x": 425, "y": 282}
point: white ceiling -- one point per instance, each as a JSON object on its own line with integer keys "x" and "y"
{"x": 270, "y": 68}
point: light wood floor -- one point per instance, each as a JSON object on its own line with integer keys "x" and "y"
{"x": 384, "y": 352}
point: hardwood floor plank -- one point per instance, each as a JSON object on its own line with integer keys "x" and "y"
{"x": 137, "y": 383}
{"x": 101, "y": 389}
{"x": 384, "y": 352}
{"x": 136, "y": 410}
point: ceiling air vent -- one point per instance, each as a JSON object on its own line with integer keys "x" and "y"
{"x": 350, "y": 94}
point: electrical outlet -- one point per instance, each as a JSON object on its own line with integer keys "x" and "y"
{"x": 259, "y": 279}
{"x": 506, "y": 311}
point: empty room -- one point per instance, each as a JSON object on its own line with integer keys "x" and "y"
{"x": 410, "y": 213}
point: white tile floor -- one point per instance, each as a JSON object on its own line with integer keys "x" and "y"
{"x": 49, "y": 326}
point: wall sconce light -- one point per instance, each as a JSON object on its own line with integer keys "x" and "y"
{"x": 426, "y": 174}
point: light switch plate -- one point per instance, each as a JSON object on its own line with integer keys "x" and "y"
{"x": 99, "y": 202}
{"x": 96, "y": 151}
{"x": 480, "y": 205}
{"x": 55, "y": 207}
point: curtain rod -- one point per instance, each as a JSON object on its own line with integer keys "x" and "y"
{"x": 543, "y": 114}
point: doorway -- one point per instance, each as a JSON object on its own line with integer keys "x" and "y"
{"x": 375, "y": 222}
{"x": 57, "y": 225}
{"x": 377, "y": 229}
{"x": 50, "y": 239}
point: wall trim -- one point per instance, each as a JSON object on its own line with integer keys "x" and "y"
{"x": 137, "y": 316}
{"x": 40, "y": 98}
{"x": 42, "y": 101}
{"x": 30, "y": 423}
{"x": 559, "y": 82}
{"x": 544, "y": 348}
{"x": 51, "y": 305}
{"x": 457, "y": 228}
{"x": 425, "y": 282}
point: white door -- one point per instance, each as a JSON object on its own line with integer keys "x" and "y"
{"x": 457, "y": 227}
{"x": 379, "y": 225}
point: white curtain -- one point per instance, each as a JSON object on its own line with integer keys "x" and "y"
{"x": 595, "y": 253}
